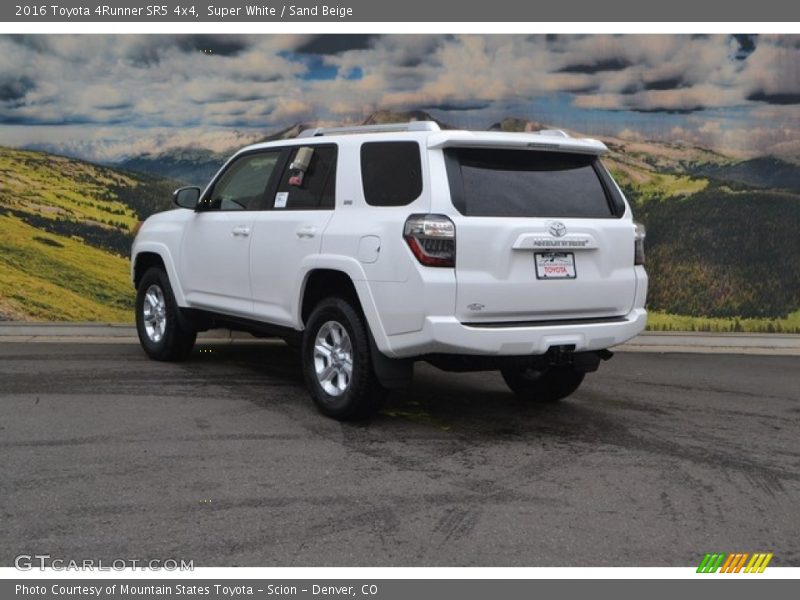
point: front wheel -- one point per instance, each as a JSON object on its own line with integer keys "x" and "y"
{"x": 165, "y": 334}
{"x": 548, "y": 385}
{"x": 336, "y": 362}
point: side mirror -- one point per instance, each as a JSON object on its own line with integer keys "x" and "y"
{"x": 187, "y": 197}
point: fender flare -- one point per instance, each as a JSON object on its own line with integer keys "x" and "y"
{"x": 162, "y": 250}
{"x": 355, "y": 272}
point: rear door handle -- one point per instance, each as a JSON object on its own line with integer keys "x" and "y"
{"x": 306, "y": 232}
{"x": 241, "y": 230}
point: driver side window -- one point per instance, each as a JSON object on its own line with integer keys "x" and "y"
{"x": 243, "y": 185}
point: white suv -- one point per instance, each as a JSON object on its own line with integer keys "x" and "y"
{"x": 373, "y": 247}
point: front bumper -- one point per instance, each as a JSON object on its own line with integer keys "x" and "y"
{"x": 447, "y": 335}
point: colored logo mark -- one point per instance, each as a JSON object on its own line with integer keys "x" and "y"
{"x": 735, "y": 562}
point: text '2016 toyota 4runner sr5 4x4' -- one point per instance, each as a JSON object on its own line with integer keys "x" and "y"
{"x": 377, "y": 246}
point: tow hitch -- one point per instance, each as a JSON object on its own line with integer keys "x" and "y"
{"x": 584, "y": 362}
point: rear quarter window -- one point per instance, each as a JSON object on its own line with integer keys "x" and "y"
{"x": 391, "y": 173}
{"x": 528, "y": 183}
{"x": 316, "y": 186}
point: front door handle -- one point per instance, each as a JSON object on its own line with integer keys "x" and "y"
{"x": 241, "y": 230}
{"x": 306, "y": 232}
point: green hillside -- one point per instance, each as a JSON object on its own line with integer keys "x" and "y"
{"x": 724, "y": 253}
{"x": 65, "y": 232}
{"x": 761, "y": 172}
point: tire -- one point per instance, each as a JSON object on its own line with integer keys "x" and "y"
{"x": 164, "y": 333}
{"x": 337, "y": 365}
{"x": 551, "y": 385}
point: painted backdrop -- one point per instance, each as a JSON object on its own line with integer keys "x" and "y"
{"x": 95, "y": 131}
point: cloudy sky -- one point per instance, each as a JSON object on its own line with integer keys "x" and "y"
{"x": 106, "y": 97}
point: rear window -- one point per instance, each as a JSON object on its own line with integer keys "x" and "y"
{"x": 526, "y": 183}
{"x": 312, "y": 188}
{"x": 391, "y": 173}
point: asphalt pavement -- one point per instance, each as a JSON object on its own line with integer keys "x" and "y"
{"x": 656, "y": 460}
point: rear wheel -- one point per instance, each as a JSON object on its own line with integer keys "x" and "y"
{"x": 336, "y": 362}
{"x": 164, "y": 333}
{"x": 548, "y": 385}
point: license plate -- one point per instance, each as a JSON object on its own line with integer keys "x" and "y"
{"x": 555, "y": 265}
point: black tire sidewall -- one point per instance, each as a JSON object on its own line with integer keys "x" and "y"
{"x": 358, "y": 400}
{"x": 178, "y": 337}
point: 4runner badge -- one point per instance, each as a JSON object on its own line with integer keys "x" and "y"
{"x": 557, "y": 228}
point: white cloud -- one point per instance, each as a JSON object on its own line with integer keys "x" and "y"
{"x": 130, "y": 87}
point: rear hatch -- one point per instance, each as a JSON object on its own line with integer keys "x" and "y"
{"x": 539, "y": 237}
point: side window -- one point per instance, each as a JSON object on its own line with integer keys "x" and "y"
{"x": 243, "y": 185}
{"x": 309, "y": 181}
{"x": 391, "y": 173}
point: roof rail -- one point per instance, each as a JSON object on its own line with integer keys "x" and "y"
{"x": 377, "y": 128}
{"x": 554, "y": 133}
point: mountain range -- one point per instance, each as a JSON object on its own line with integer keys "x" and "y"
{"x": 193, "y": 166}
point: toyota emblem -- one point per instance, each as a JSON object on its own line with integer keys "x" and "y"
{"x": 557, "y": 228}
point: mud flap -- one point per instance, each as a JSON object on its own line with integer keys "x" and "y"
{"x": 393, "y": 373}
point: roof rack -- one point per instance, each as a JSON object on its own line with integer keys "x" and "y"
{"x": 382, "y": 127}
{"x": 554, "y": 133}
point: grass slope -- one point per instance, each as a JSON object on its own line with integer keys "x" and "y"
{"x": 661, "y": 321}
{"x": 59, "y": 188}
{"x": 50, "y": 277}
{"x": 65, "y": 232}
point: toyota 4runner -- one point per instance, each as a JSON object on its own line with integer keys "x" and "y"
{"x": 374, "y": 247}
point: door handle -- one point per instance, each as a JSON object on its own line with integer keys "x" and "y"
{"x": 306, "y": 232}
{"x": 241, "y": 230}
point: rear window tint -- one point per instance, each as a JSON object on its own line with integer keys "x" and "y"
{"x": 526, "y": 183}
{"x": 391, "y": 173}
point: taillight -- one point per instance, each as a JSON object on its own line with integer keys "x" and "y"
{"x": 638, "y": 244}
{"x": 432, "y": 239}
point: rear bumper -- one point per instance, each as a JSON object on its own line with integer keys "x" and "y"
{"x": 449, "y": 336}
